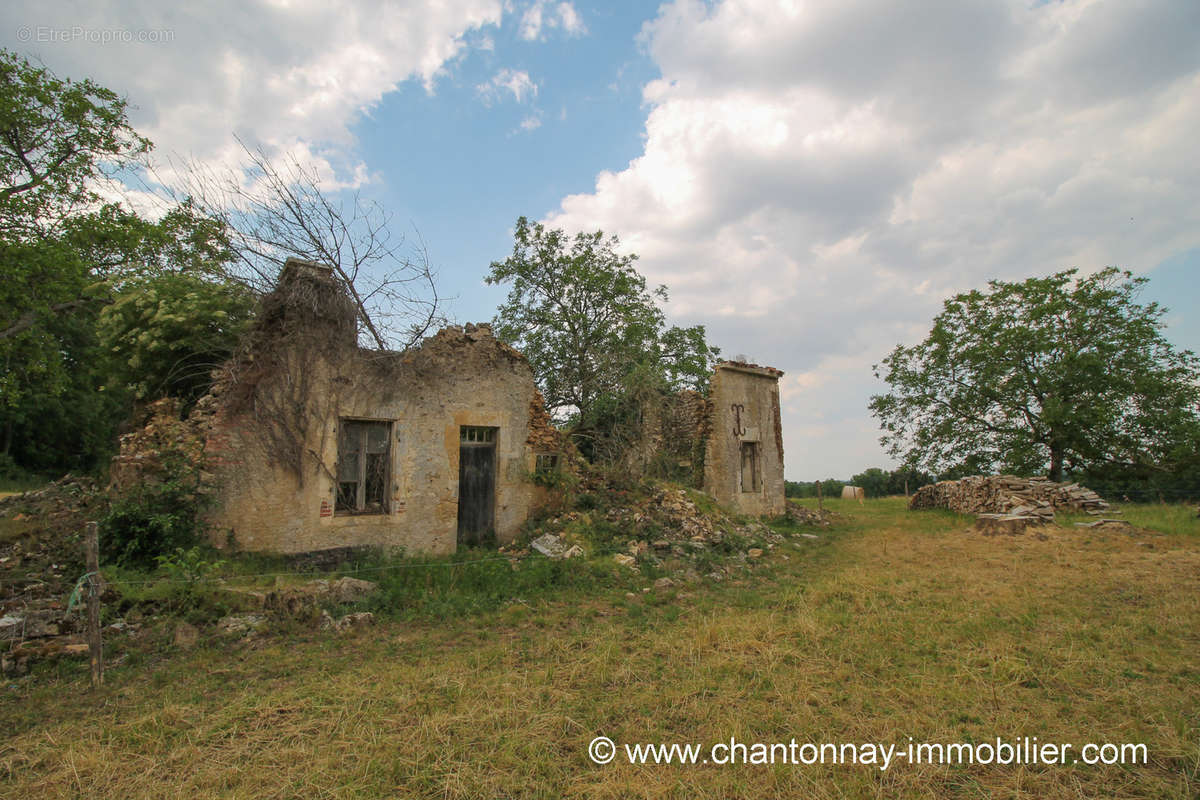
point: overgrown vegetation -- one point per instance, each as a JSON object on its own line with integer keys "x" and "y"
{"x": 67, "y": 379}
{"x": 153, "y": 519}
{"x": 157, "y": 508}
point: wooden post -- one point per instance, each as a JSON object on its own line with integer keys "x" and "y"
{"x": 95, "y": 645}
{"x": 906, "y": 487}
{"x": 820, "y": 505}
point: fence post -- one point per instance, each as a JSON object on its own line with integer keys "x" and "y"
{"x": 820, "y": 505}
{"x": 95, "y": 645}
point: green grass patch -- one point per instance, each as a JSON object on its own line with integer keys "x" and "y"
{"x": 1175, "y": 519}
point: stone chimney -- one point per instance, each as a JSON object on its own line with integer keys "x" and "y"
{"x": 309, "y": 299}
{"x": 295, "y": 269}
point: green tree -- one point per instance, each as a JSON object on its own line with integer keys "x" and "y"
{"x": 592, "y": 331}
{"x": 167, "y": 332}
{"x": 59, "y": 141}
{"x": 873, "y": 481}
{"x": 64, "y": 255}
{"x": 1050, "y": 375}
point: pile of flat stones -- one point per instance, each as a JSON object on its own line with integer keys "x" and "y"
{"x": 1006, "y": 503}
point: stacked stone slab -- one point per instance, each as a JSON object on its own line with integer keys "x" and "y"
{"x": 1008, "y": 495}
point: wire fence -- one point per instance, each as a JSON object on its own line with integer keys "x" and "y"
{"x": 399, "y": 565}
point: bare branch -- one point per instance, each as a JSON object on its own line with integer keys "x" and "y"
{"x": 275, "y": 209}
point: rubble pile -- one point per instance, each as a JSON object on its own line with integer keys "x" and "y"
{"x": 806, "y": 516}
{"x": 41, "y": 552}
{"x": 1008, "y": 495}
{"x": 41, "y": 557}
{"x": 144, "y": 454}
{"x": 671, "y": 528}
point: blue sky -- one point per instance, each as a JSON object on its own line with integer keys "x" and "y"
{"x": 811, "y": 178}
{"x": 462, "y": 169}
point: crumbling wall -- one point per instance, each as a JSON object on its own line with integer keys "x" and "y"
{"x": 743, "y": 459}
{"x": 459, "y": 377}
{"x": 144, "y": 453}
{"x": 669, "y": 438}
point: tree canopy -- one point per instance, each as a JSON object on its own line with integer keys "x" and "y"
{"x": 582, "y": 315}
{"x": 1050, "y": 375}
{"x": 65, "y": 255}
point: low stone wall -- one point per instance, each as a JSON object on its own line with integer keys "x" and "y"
{"x": 1007, "y": 494}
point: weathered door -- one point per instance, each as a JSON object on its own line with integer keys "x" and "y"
{"x": 476, "y": 485}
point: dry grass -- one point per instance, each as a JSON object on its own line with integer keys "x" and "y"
{"x": 892, "y": 625}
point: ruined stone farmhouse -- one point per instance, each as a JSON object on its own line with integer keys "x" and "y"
{"x": 314, "y": 443}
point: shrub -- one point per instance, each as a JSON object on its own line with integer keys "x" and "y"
{"x": 155, "y": 517}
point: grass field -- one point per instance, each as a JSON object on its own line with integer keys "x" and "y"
{"x": 890, "y": 625}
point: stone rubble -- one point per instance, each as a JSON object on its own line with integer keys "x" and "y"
{"x": 348, "y": 622}
{"x": 1007, "y": 495}
{"x": 552, "y": 546}
{"x": 1106, "y": 525}
{"x": 1008, "y": 524}
{"x": 298, "y": 600}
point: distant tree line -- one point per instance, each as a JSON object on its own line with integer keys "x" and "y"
{"x": 1114, "y": 485}
{"x": 875, "y": 481}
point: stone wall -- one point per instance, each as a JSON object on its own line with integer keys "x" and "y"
{"x": 743, "y": 459}
{"x": 1007, "y": 494}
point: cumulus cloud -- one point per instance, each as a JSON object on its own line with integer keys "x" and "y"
{"x": 514, "y": 82}
{"x": 544, "y": 15}
{"x": 285, "y": 76}
{"x": 818, "y": 175}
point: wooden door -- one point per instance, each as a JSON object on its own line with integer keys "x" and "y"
{"x": 476, "y": 485}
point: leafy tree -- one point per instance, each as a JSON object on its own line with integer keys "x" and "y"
{"x": 591, "y": 330}
{"x": 168, "y": 331}
{"x": 64, "y": 254}
{"x": 907, "y": 480}
{"x": 873, "y": 481}
{"x": 59, "y": 141}
{"x": 1056, "y": 374}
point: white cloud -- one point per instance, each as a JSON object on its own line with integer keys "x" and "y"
{"x": 288, "y": 76}
{"x": 531, "y": 123}
{"x": 515, "y": 82}
{"x": 817, "y": 176}
{"x": 544, "y": 15}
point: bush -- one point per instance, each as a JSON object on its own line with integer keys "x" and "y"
{"x": 153, "y": 520}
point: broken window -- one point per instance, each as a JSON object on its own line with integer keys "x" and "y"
{"x": 364, "y": 450}
{"x": 750, "y": 479}
{"x": 477, "y": 435}
{"x": 545, "y": 463}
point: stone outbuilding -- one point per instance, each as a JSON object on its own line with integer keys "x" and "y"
{"x": 743, "y": 456}
{"x": 315, "y": 443}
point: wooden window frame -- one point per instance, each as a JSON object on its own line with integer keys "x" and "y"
{"x": 360, "y": 507}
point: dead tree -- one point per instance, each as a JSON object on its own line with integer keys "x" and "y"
{"x": 274, "y": 209}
